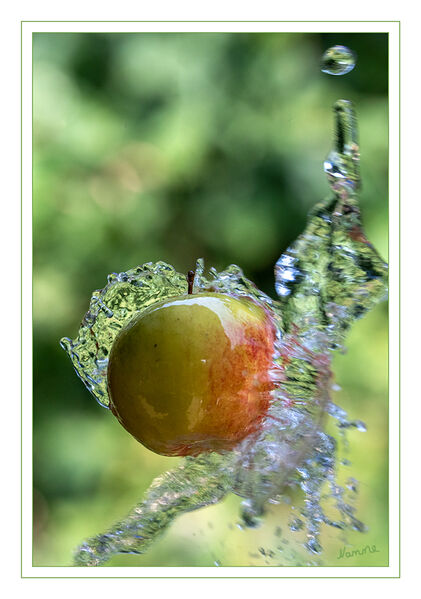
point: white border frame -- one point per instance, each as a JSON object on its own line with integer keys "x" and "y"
{"x": 393, "y": 29}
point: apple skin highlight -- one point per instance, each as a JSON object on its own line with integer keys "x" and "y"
{"x": 192, "y": 373}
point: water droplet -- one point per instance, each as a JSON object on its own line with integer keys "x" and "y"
{"x": 338, "y": 60}
{"x": 296, "y": 524}
{"x": 352, "y": 485}
{"x": 314, "y": 546}
{"x": 359, "y": 425}
{"x": 358, "y": 525}
{"x": 251, "y": 514}
{"x": 112, "y": 277}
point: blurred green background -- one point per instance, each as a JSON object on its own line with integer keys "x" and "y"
{"x": 170, "y": 147}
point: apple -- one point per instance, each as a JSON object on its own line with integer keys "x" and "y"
{"x": 192, "y": 373}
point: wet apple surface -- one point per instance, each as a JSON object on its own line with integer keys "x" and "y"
{"x": 192, "y": 373}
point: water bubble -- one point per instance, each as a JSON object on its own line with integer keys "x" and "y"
{"x": 338, "y": 60}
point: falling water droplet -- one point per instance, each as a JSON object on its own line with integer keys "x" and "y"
{"x": 338, "y": 60}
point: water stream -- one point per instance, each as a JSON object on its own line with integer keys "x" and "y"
{"x": 329, "y": 277}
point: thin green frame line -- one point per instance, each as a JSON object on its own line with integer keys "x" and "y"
{"x": 21, "y": 294}
{"x": 218, "y": 577}
{"x": 32, "y": 173}
{"x": 186, "y": 21}
{"x": 399, "y": 320}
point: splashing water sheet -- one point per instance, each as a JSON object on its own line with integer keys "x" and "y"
{"x": 327, "y": 279}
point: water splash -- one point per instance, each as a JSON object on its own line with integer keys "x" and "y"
{"x": 338, "y": 60}
{"x": 342, "y": 164}
{"x": 326, "y": 280}
{"x": 110, "y": 309}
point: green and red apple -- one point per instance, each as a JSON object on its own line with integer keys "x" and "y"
{"x": 192, "y": 373}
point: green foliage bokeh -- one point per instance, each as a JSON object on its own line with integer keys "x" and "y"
{"x": 171, "y": 147}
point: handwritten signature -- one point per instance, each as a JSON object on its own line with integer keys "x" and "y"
{"x": 344, "y": 553}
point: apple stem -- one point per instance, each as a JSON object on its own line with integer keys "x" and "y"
{"x": 190, "y": 281}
